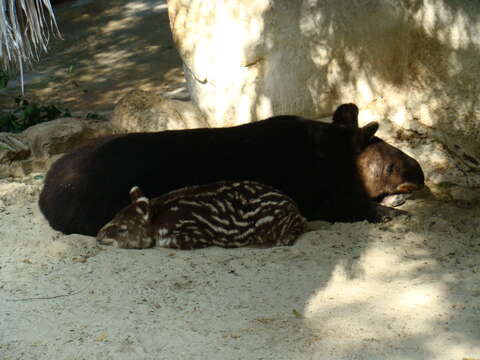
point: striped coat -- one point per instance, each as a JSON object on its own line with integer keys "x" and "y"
{"x": 225, "y": 213}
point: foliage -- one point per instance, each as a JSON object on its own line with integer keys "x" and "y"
{"x": 3, "y": 79}
{"x": 27, "y": 114}
{"x": 25, "y": 26}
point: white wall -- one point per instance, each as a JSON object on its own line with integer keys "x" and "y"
{"x": 414, "y": 65}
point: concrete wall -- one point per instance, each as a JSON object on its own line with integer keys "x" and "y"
{"x": 413, "y": 65}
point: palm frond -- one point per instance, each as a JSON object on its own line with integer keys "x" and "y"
{"x": 25, "y": 29}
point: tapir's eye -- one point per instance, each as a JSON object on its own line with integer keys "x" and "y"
{"x": 390, "y": 169}
{"x": 121, "y": 229}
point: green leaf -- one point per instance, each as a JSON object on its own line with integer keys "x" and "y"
{"x": 51, "y": 112}
{"x": 3, "y": 79}
{"x": 92, "y": 116}
{"x": 28, "y": 113}
{"x": 297, "y": 314}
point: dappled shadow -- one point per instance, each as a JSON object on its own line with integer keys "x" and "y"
{"x": 405, "y": 68}
{"x": 108, "y": 49}
{"x": 408, "y": 286}
{"x": 410, "y": 65}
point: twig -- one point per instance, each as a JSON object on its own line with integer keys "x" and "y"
{"x": 48, "y": 297}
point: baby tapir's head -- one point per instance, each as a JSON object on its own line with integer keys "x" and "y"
{"x": 383, "y": 169}
{"x": 132, "y": 226}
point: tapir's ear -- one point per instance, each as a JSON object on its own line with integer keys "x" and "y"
{"x": 140, "y": 202}
{"x": 142, "y": 207}
{"x": 346, "y": 115}
{"x": 135, "y": 193}
{"x": 363, "y": 136}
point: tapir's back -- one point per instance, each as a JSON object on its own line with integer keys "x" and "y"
{"x": 226, "y": 214}
{"x": 88, "y": 186}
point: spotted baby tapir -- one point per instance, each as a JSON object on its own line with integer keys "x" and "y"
{"x": 227, "y": 214}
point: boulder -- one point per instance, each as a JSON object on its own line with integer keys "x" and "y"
{"x": 13, "y": 147}
{"x": 410, "y": 64}
{"x": 59, "y": 136}
{"x": 37, "y": 147}
{"x": 144, "y": 111}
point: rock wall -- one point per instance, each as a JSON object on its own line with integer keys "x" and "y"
{"x": 413, "y": 65}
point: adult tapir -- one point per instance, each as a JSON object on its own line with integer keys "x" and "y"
{"x": 318, "y": 165}
{"x": 384, "y": 169}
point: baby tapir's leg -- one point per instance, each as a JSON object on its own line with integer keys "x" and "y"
{"x": 183, "y": 236}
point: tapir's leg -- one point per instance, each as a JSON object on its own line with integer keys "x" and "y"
{"x": 385, "y": 213}
{"x": 346, "y": 210}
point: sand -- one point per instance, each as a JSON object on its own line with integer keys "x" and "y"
{"x": 407, "y": 289}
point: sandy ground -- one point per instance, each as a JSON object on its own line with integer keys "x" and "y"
{"x": 109, "y": 48}
{"x": 408, "y": 289}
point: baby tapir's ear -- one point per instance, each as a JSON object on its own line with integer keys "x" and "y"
{"x": 140, "y": 202}
{"x": 362, "y": 136}
{"x": 135, "y": 194}
{"x": 142, "y": 207}
{"x": 346, "y": 115}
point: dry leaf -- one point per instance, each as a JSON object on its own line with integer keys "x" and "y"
{"x": 101, "y": 337}
{"x": 297, "y": 314}
{"x": 79, "y": 259}
{"x": 27, "y": 261}
{"x": 314, "y": 340}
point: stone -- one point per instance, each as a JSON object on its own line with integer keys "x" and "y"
{"x": 37, "y": 147}
{"x": 13, "y": 147}
{"x": 412, "y": 65}
{"x": 143, "y": 111}
{"x": 62, "y": 135}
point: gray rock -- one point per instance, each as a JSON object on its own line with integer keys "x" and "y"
{"x": 13, "y": 147}
{"x": 62, "y": 135}
{"x": 36, "y": 148}
{"x": 143, "y": 111}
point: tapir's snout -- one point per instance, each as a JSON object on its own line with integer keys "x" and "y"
{"x": 107, "y": 241}
{"x": 409, "y": 187}
{"x": 105, "y": 238}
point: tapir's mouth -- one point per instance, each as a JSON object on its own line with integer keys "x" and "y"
{"x": 106, "y": 241}
{"x": 407, "y": 188}
{"x": 400, "y": 194}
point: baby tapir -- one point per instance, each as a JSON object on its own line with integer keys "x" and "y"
{"x": 314, "y": 163}
{"x": 226, "y": 213}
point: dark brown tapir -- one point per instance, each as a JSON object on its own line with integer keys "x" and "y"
{"x": 384, "y": 169}
{"x": 331, "y": 171}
